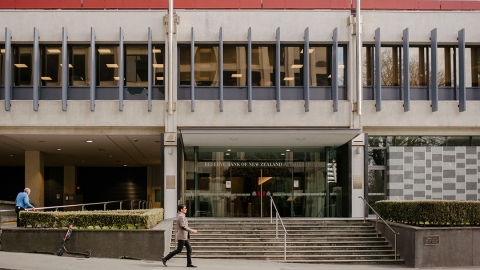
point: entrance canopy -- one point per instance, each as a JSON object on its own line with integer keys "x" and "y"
{"x": 267, "y": 137}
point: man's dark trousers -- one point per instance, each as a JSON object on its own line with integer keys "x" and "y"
{"x": 17, "y": 210}
{"x": 180, "y": 244}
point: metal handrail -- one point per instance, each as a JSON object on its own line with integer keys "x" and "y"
{"x": 376, "y": 224}
{"x": 277, "y": 216}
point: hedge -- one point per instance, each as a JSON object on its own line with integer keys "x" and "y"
{"x": 121, "y": 219}
{"x": 430, "y": 212}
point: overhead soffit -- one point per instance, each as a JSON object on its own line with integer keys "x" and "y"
{"x": 266, "y": 138}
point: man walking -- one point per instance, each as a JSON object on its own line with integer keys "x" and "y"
{"x": 21, "y": 203}
{"x": 183, "y": 236}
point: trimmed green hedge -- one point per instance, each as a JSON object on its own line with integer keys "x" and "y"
{"x": 121, "y": 219}
{"x": 431, "y": 212}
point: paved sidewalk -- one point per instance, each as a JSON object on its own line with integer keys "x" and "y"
{"x": 29, "y": 261}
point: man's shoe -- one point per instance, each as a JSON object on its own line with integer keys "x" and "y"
{"x": 191, "y": 265}
{"x": 164, "y": 261}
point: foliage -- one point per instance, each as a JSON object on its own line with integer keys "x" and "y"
{"x": 430, "y": 212}
{"x": 121, "y": 219}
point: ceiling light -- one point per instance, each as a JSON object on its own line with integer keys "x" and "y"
{"x": 20, "y": 65}
{"x": 110, "y": 156}
{"x": 2, "y": 50}
{"x": 288, "y": 150}
{"x": 288, "y": 79}
{"x": 89, "y": 141}
{"x": 309, "y": 50}
{"x": 69, "y": 65}
{"x": 329, "y": 76}
{"x": 59, "y": 149}
{"x": 11, "y": 155}
{"x": 156, "y": 51}
{"x": 283, "y": 154}
{"x": 159, "y": 78}
{"x": 341, "y": 66}
{"x": 229, "y": 150}
{"x": 53, "y": 51}
{"x": 297, "y": 66}
{"x": 46, "y": 78}
{"x": 237, "y": 75}
{"x": 112, "y": 65}
{"x": 104, "y": 51}
{"x": 227, "y": 154}
{"x": 157, "y": 65}
{"x": 124, "y": 165}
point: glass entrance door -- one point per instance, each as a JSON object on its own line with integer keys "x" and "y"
{"x": 251, "y": 188}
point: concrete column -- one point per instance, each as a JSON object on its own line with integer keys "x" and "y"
{"x": 358, "y": 172}
{"x": 69, "y": 179}
{"x": 34, "y": 177}
{"x": 170, "y": 195}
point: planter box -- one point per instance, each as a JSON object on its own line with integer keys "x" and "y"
{"x": 137, "y": 244}
{"x": 435, "y": 246}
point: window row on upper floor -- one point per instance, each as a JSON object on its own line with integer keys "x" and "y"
{"x": 420, "y": 66}
{"x": 235, "y": 66}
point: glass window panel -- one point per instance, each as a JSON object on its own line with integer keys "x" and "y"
{"x": 367, "y": 65}
{"x": 158, "y": 65}
{"x": 263, "y": 65}
{"x": 377, "y": 141}
{"x": 445, "y": 66}
{"x": 468, "y": 68}
{"x": 475, "y": 141}
{"x": 2, "y": 64}
{"x": 107, "y": 65}
{"x": 341, "y": 66}
{"x": 418, "y": 66}
{"x": 79, "y": 66}
{"x": 320, "y": 66}
{"x": 235, "y": 66}
{"x": 376, "y": 187}
{"x": 458, "y": 141}
{"x": 136, "y": 65}
{"x": 185, "y": 65}
{"x": 475, "y": 64}
{"x": 206, "y": 65}
{"x": 390, "y": 59}
{"x": 51, "y": 66}
{"x": 23, "y": 66}
{"x": 420, "y": 140}
{"x": 377, "y": 157}
{"x": 291, "y": 66}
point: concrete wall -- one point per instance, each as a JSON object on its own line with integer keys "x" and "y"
{"x": 9, "y": 215}
{"x": 457, "y": 246}
{"x": 140, "y": 244}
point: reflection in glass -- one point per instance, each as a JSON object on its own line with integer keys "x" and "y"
{"x": 23, "y": 61}
{"x": 206, "y": 66}
{"x": 52, "y": 66}
{"x": 79, "y": 60}
{"x": 291, "y": 66}
{"x": 458, "y": 141}
{"x": 376, "y": 187}
{"x": 263, "y": 65}
{"x": 2, "y": 64}
{"x": 136, "y": 66}
{"x": 107, "y": 65}
{"x": 235, "y": 66}
{"x": 390, "y": 61}
{"x": 377, "y": 157}
{"x": 445, "y": 66}
{"x": 185, "y": 65}
{"x": 475, "y": 65}
{"x": 320, "y": 66}
{"x": 418, "y": 66}
{"x": 367, "y": 65}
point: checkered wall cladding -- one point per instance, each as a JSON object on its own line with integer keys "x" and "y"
{"x": 438, "y": 173}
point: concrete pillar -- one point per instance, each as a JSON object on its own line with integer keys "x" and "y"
{"x": 170, "y": 184}
{"x": 34, "y": 177}
{"x": 358, "y": 172}
{"x": 69, "y": 179}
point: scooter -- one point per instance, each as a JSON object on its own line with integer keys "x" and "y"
{"x": 63, "y": 249}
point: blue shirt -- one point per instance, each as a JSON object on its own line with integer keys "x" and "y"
{"x": 23, "y": 201}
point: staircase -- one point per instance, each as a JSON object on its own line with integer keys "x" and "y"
{"x": 308, "y": 240}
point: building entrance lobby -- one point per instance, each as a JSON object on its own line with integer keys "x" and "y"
{"x": 238, "y": 181}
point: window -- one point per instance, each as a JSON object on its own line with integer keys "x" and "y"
{"x": 23, "y": 63}
{"x": 51, "y": 74}
{"x": 291, "y": 66}
{"x": 107, "y": 65}
{"x": 79, "y": 66}
{"x": 235, "y": 66}
{"x": 320, "y": 66}
{"x": 390, "y": 61}
{"x": 263, "y": 65}
{"x": 418, "y": 66}
{"x": 475, "y": 65}
{"x": 136, "y": 65}
{"x": 2, "y": 65}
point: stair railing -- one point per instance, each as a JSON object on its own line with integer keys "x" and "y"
{"x": 277, "y": 217}
{"x": 376, "y": 225}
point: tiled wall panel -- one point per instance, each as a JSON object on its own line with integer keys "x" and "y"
{"x": 438, "y": 173}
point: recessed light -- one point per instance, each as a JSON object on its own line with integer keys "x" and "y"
{"x": 104, "y": 51}
{"x": 112, "y": 65}
{"x": 89, "y": 141}
{"x": 157, "y": 65}
{"x": 124, "y": 165}
{"x": 110, "y": 156}
{"x": 229, "y": 150}
{"x": 288, "y": 150}
{"x": 283, "y": 154}
{"x": 59, "y": 149}
{"x": 297, "y": 66}
{"x": 227, "y": 154}
{"x": 11, "y": 155}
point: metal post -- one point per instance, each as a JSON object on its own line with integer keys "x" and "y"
{"x": 276, "y": 225}
{"x": 83, "y": 207}
{"x": 284, "y": 246}
{"x": 358, "y": 19}
{"x": 121, "y": 205}
{"x": 395, "y": 248}
{"x": 271, "y": 201}
{"x": 104, "y": 207}
{"x": 170, "y": 57}
{"x": 261, "y": 194}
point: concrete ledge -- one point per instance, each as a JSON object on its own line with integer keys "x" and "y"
{"x": 456, "y": 247}
{"x": 138, "y": 244}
